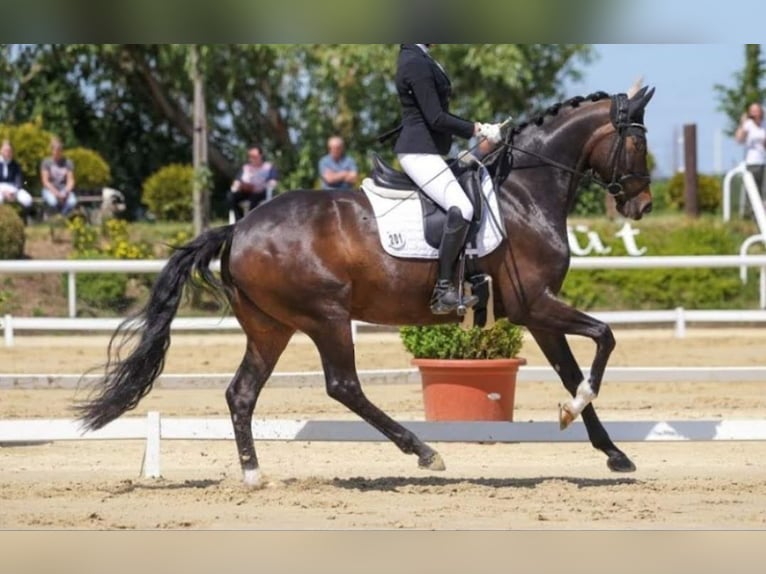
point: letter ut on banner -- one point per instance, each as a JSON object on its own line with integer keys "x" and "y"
{"x": 596, "y": 246}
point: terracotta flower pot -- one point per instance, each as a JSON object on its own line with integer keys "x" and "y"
{"x": 469, "y": 390}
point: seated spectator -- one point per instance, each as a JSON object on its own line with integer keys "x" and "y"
{"x": 337, "y": 170}
{"x": 11, "y": 180}
{"x": 254, "y": 184}
{"x": 57, "y": 175}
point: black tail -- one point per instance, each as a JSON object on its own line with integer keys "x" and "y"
{"x": 127, "y": 381}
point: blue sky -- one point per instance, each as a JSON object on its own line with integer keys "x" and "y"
{"x": 684, "y": 76}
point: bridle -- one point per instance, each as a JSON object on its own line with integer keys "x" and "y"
{"x": 624, "y": 127}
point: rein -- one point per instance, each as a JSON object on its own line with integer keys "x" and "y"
{"x": 615, "y": 187}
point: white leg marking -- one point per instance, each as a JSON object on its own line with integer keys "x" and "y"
{"x": 252, "y": 477}
{"x": 582, "y": 398}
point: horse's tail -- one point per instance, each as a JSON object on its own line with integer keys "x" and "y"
{"x": 126, "y": 381}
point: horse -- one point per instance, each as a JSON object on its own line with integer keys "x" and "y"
{"x": 312, "y": 262}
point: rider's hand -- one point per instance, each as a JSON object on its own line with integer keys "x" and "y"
{"x": 491, "y": 132}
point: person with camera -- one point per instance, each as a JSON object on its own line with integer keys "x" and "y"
{"x": 752, "y": 133}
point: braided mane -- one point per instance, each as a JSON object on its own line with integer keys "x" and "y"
{"x": 553, "y": 110}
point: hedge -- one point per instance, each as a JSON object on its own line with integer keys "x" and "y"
{"x": 667, "y": 288}
{"x": 168, "y": 192}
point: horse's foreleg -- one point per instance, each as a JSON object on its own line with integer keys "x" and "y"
{"x": 556, "y": 349}
{"x": 266, "y": 341}
{"x": 336, "y": 349}
{"x": 554, "y": 316}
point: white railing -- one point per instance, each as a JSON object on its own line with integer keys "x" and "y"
{"x": 74, "y": 266}
{"x": 738, "y": 171}
{"x": 750, "y": 191}
{"x": 678, "y": 317}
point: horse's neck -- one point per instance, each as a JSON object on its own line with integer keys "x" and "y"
{"x": 566, "y": 140}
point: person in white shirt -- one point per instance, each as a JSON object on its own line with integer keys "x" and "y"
{"x": 752, "y": 133}
{"x": 11, "y": 180}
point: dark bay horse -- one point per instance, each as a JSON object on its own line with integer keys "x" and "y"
{"x": 312, "y": 261}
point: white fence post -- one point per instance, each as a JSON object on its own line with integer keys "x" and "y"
{"x": 762, "y": 290}
{"x": 72, "y": 293}
{"x": 680, "y": 323}
{"x": 150, "y": 468}
{"x": 8, "y": 330}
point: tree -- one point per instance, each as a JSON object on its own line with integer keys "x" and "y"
{"x": 749, "y": 86}
{"x": 134, "y": 103}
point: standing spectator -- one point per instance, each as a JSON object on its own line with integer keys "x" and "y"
{"x": 752, "y": 133}
{"x": 57, "y": 175}
{"x": 11, "y": 180}
{"x": 337, "y": 170}
{"x": 254, "y": 183}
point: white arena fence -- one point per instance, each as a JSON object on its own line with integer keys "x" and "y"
{"x": 678, "y": 317}
{"x": 153, "y": 429}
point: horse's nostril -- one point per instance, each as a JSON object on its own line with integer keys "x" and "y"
{"x": 647, "y": 208}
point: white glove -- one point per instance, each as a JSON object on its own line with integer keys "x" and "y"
{"x": 491, "y": 132}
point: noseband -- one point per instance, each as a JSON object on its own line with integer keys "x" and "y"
{"x": 620, "y": 118}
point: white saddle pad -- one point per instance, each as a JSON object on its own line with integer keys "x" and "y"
{"x": 399, "y": 215}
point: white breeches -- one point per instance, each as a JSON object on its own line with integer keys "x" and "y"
{"x": 20, "y": 195}
{"x": 432, "y": 174}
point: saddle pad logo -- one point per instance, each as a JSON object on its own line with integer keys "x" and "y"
{"x": 396, "y": 241}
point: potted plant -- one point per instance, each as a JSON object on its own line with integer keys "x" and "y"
{"x": 467, "y": 374}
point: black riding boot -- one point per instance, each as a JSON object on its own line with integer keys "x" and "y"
{"x": 445, "y": 297}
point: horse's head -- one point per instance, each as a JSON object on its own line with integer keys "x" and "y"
{"x": 619, "y": 156}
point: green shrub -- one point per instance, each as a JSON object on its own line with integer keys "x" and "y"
{"x": 591, "y": 200}
{"x": 105, "y": 291}
{"x": 31, "y": 144}
{"x": 11, "y": 233}
{"x": 708, "y": 192}
{"x": 168, "y": 192}
{"x": 90, "y": 169}
{"x": 659, "y": 189}
{"x": 502, "y": 341}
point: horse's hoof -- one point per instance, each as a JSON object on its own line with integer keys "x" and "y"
{"x": 620, "y": 463}
{"x": 565, "y": 417}
{"x": 433, "y": 462}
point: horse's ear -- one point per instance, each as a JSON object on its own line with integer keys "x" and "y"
{"x": 636, "y": 88}
{"x": 638, "y": 103}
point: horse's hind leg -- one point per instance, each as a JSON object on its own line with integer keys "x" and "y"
{"x": 336, "y": 350}
{"x": 556, "y": 349}
{"x": 266, "y": 340}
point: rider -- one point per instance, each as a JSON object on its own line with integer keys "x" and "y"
{"x": 426, "y": 135}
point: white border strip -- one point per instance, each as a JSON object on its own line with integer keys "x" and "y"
{"x": 152, "y": 427}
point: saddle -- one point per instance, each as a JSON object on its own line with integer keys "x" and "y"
{"x": 434, "y": 217}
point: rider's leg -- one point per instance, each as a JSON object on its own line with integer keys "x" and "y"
{"x": 431, "y": 173}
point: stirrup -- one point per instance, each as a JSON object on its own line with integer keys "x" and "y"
{"x": 446, "y": 290}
